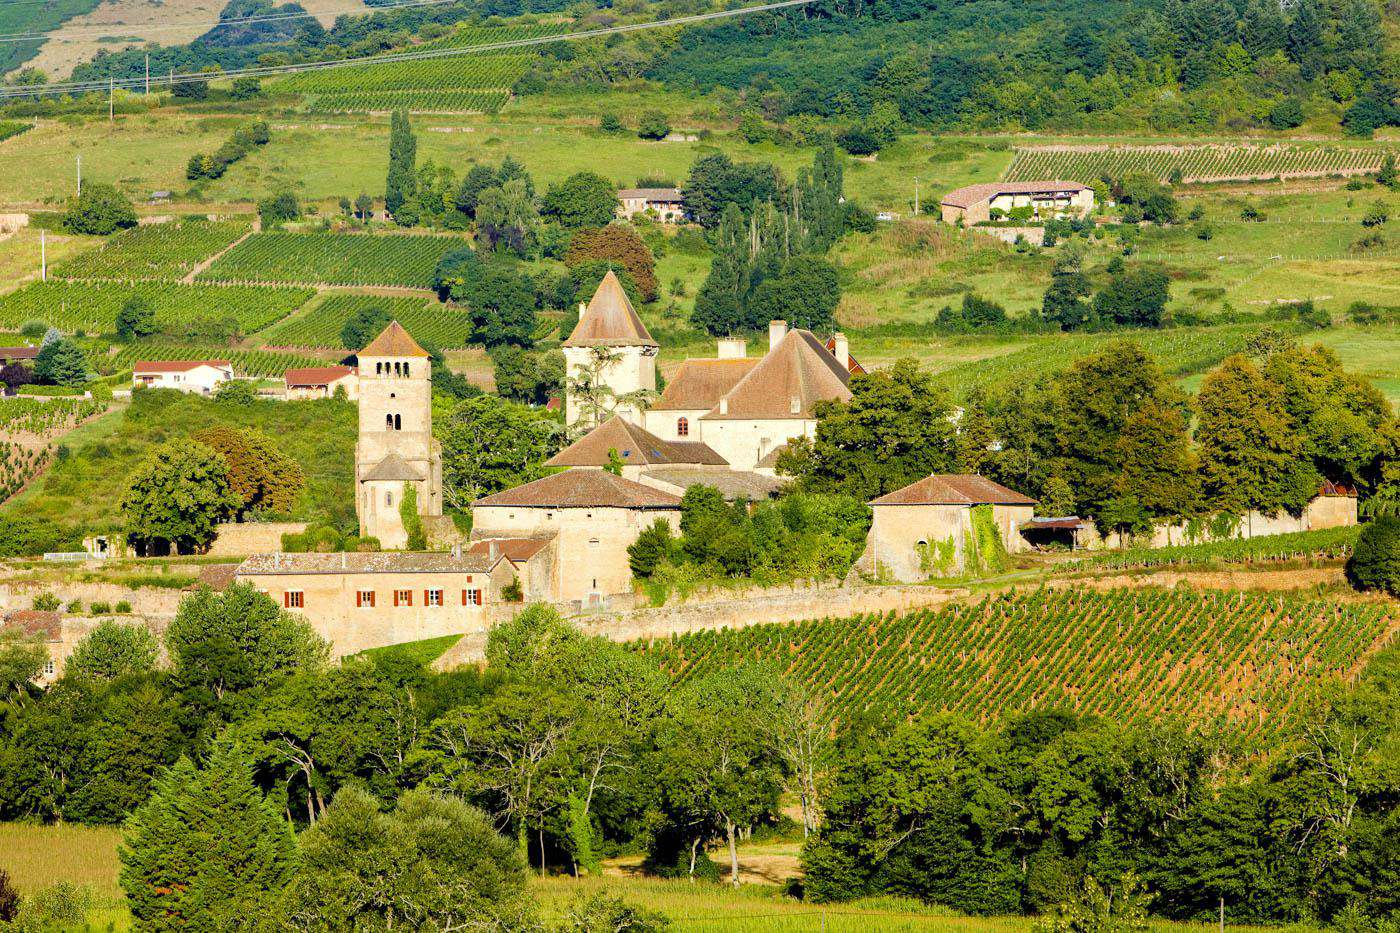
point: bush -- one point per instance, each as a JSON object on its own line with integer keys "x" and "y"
{"x": 654, "y": 125}
{"x": 47, "y": 602}
{"x": 122, "y": 607}
{"x": 1375, "y": 562}
{"x": 100, "y": 210}
{"x": 100, "y": 609}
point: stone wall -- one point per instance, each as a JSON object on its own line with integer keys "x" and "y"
{"x": 240, "y": 539}
{"x": 147, "y": 601}
{"x": 1322, "y": 512}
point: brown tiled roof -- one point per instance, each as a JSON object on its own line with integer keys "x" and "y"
{"x": 218, "y": 577}
{"x": 577, "y": 489}
{"x": 1062, "y": 523}
{"x": 177, "y": 366}
{"x": 794, "y": 376}
{"x": 769, "y": 460}
{"x": 394, "y": 468}
{"x": 1329, "y": 488}
{"x": 954, "y": 489}
{"x": 317, "y": 375}
{"x": 650, "y": 194}
{"x": 610, "y": 320}
{"x": 699, "y": 384}
{"x": 852, "y": 367}
{"x": 18, "y": 353}
{"x": 732, "y": 484}
{"x": 515, "y": 550}
{"x": 975, "y": 194}
{"x": 393, "y": 341}
{"x": 36, "y": 622}
{"x": 636, "y": 447}
{"x": 366, "y": 562}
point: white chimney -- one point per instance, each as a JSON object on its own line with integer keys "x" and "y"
{"x": 493, "y": 551}
{"x": 733, "y": 348}
{"x": 843, "y": 350}
{"x": 724, "y": 406}
{"x": 796, "y": 405}
{"x": 777, "y": 330}
{"x": 457, "y": 551}
{"x": 582, "y": 309}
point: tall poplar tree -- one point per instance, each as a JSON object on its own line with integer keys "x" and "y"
{"x": 399, "y": 186}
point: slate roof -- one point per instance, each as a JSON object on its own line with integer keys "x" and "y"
{"x": 976, "y": 194}
{"x": 732, "y": 484}
{"x": 610, "y": 320}
{"x": 317, "y": 375}
{"x": 394, "y": 468}
{"x": 177, "y": 366}
{"x": 794, "y": 376}
{"x": 579, "y": 489}
{"x": 635, "y": 445}
{"x": 954, "y": 489}
{"x": 394, "y": 341}
{"x": 650, "y": 194}
{"x": 699, "y": 384}
{"x": 32, "y": 622}
{"x": 367, "y": 562}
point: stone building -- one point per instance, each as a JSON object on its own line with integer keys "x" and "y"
{"x": 1046, "y": 199}
{"x": 611, "y": 350}
{"x": 358, "y": 601}
{"x": 591, "y": 516}
{"x": 926, "y": 528}
{"x": 665, "y": 204}
{"x": 200, "y": 377}
{"x": 396, "y": 449}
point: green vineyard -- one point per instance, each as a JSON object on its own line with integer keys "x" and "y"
{"x": 259, "y": 363}
{"x": 1324, "y": 544}
{"x": 319, "y": 326}
{"x": 154, "y": 251}
{"x": 475, "y": 83}
{"x": 1121, "y": 653}
{"x": 92, "y": 306}
{"x": 1195, "y": 163}
{"x": 449, "y": 101}
{"x": 333, "y": 259}
{"x": 45, "y": 418}
{"x": 20, "y": 464}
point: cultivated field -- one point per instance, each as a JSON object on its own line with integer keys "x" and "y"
{"x": 1192, "y": 163}
{"x": 93, "y": 306}
{"x": 333, "y": 259}
{"x": 319, "y": 325}
{"x": 154, "y": 251}
{"x": 263, "y": 363}
{"x": 1245, "y": 656}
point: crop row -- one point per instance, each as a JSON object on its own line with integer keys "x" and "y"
{"x": 414, "y": 101}
{"x": 92, "y": 306}
{"x": 463, "y": 73}
{"x": 154, "y": 251}
{"x": 333, "y": 258}
{"x": 320, "y": 325}
{"x": 19, "y": 464}
{"x": 465, "y": 36}
{"x": 44, "y": 418}
{"x": 1323, "y": 544}
{"x": 258, "y": 363}
{"x": 1195, "y": 163}
{"x": 1120, "y": 653}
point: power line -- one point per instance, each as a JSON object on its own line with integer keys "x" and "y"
{"x": 82, "y": 87}
{"x": 261, "y": 18}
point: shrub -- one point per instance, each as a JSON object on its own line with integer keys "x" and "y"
{"x": 47, "y": 602}
{"x": 122, "y": 607}
{"x": 1375, "y": 562}
{"x": 99, "y": 608}
{"x": 100, "y": 210}
{"x": 654, "y": 125}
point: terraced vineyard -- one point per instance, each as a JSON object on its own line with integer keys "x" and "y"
{"x": 472, "y": 83}
{"x": 19, "y": 464}
{"x": 319, "y": 325}
{"x": 1122, "y": 653}
{"x": 42, "y": 418}
{"x": 92, "y": 306}
{"x": 1181, "y": 351}
{"x": 333, "y": 258}
{"x": 260, "y": 363}
{"x": 1324, "y": 544}
{"x": 155, "y": 251}
{"x": 1196, "y": 163}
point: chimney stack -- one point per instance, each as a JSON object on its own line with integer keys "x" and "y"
{"x": 843, "y": 351}
{"x": 582, "y": 309}
{"x": 457, "y": 551}
{"x": 733, "y": 348}
{"x": 777, "y": 330}
{"x": 493, "y": 551}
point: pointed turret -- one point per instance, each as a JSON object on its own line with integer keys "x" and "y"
{"x": 609, "y": 320}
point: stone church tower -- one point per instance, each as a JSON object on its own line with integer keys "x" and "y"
{"x": 396, "y": 447}
{"x": 611, "y": 347}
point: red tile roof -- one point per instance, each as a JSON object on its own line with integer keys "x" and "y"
{"x": 317, "y": 375}
{"x": 854, "y": 368}
{"x": 177, "y": 366}
{"x": 580, "y": 489}
{"x": 794, "y": 376}
{"x": 393, "y": 341}
{"x": 515, "y": 550}
{"x": 32, "y": 622}
{"x": 18, "y": 353}
{"x": 365, "y": 562}
{"x": 976, "y": 194}
{"x": 609, "y": 320}
{"x": 1329, "y": 488}
{"x": 634, "y": 445}
{"x": 954, "y": 489}
{"x": 699, "y": 384}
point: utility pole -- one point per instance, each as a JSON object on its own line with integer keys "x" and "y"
{"x": 916, "y": 195}
{"x": 43, "y": 257}
{"x": 111, "y": 98}
{"x": 148, "y": 74}
{"x": 80, "y": 175}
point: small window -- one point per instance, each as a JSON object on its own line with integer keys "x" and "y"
{"x": 379, "y": 368}
{"x": 49, "y": 667}
{"x": 593, "y": 542}
{"x": 294, "y": 599}
{"x": 432, "y": 597}
{"x": 471, "y": 597}
{"x": 682, "y": 427}
{"x": 364, "y": 599}
{"x": 403, "y": 597}
{"x": 389, "y": 498}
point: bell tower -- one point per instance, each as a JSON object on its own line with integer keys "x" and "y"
{"x": 396, "y": 448}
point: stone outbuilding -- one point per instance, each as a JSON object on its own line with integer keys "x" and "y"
{"x": 593, "y": 515}
{"x": 322, "y": 382}
{"x": 1046, "y": 199}
{"x": 665, "y": 204}
{"x": 926, "y": 529}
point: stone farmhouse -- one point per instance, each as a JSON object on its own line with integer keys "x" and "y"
{"x": 662, "y": 203}
{"x": 1046, "y": 199}
{"x": 198, "y": 376}
{"x": 321, "y": 382}
{"x": 396, "y": 451}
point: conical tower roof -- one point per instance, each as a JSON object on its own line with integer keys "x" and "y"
{"x": 610, "y": 320}
{"x": 394, "y": 341}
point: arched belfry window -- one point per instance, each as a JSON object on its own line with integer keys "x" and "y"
{"x": 379, "y": 368}
{"x": 388, "y": 422}
{"x": 398, "y": 423}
